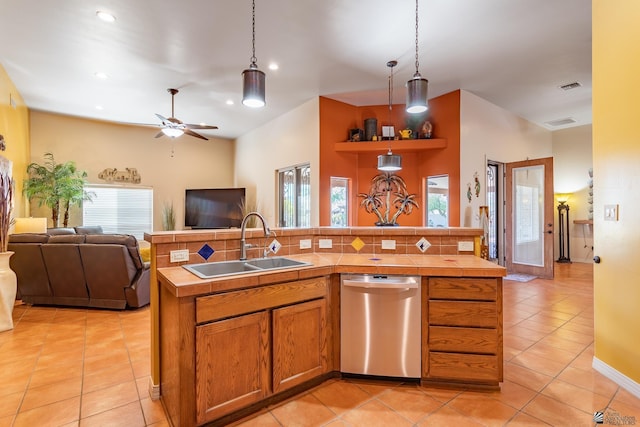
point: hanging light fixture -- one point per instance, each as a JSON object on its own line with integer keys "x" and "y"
{"x": 418, "y": 86}
{"x": 252, "y": 78}
{"x": 390, "y": 162}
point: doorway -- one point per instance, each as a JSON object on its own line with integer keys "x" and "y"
{"x": 496, "y": 204}
{"x": 530, "y": 217}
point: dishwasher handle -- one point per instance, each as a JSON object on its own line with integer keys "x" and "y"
{"x": 386, "y": 284}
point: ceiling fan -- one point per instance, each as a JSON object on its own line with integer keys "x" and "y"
{"x": 173, "y": 127}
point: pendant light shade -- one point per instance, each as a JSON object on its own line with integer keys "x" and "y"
{"x": 389, "y": 162}
{"x": 417, "y": 87}
{"x": 253, "y": 87}
{"x": 252, "y": 78}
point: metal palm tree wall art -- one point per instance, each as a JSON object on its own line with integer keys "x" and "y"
{"x": 388, "y": 191}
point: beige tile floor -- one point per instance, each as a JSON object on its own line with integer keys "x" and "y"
{"x": 77, "y": 367}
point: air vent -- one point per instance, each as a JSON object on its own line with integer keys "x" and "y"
{"x": 561, "y": 122}
{"x": 570, "y": 86}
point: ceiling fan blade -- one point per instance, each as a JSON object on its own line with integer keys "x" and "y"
{"x": 187, "y": 131}
{"x": 162, "y": 118}
{"x": 191, "y": 126}
{"x": 159, "y": 134}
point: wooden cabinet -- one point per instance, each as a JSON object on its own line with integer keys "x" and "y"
{"x": 232, "y": 365}
{"x": 275, "y": 339}
{"x": 462, "y": 339}
{"x": 299, "y": 343}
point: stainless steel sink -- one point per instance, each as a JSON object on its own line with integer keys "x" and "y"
{"x": 210, "y": 270}
{"x": 276, "y": 262}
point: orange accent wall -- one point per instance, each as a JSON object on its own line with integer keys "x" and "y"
{"x": 336, "y": 118}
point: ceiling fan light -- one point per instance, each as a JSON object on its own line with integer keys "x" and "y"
{"x": 253, "y": 87}
{"x": 173, "y": 132}
{"x": 389, "y": 162}
{"x": 417, "y": 89}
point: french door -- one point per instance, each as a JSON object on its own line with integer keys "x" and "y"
{"x": 530, "y": 217}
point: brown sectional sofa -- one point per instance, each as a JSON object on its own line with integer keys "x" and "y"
{"x": 88, "y": 270}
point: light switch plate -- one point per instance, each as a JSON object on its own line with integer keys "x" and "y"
{"x": 179, "y": 255}
{"x": 465, "y": 246}
{"x": 305, "y": 244}
{"x": 610, "y": 212}
{"x": 388, "y": 244}
{"x": 325, "y": 243}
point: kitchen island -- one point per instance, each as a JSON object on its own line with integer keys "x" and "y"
{"x": 231, "y": 345}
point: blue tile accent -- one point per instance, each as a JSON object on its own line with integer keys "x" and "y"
{"x": 206, "y": 251}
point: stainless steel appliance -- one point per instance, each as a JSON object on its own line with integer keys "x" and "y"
{"x": 380, "y": 325}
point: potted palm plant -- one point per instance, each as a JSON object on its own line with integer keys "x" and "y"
{"x": 8, "y": 282}
{"x": 57, "y": 186}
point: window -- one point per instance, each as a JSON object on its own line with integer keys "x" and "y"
{"x": 294, "y": 190}
{"x": 437, "y": 201}
{"x": 339, "y": 202}
{"x": 124, "y": 210}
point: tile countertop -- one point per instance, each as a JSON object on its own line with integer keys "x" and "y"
{"x": 182, "y": 283}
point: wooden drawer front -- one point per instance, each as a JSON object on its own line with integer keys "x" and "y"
{"x": 463, "y": 288}
{"x": 463, "y": 313}
{"x": 465, "y": 340}
{"x": 220, "y": 306}
{"x": 474, "y": 367}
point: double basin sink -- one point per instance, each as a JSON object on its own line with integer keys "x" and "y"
{"x": 209, "y": 270}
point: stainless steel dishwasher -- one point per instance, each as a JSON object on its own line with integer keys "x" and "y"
{"x": 380, "y": 325}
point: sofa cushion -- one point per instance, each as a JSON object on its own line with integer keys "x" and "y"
{"x": 67, "y": 238}
{"x": 88, "y": 229}
{"x": 28, "y": 238}
{"x": 119, "y": 239}
{"x": 60, "y": 230}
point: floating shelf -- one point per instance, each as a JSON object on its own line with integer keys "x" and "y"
{"x": 399, "y": 145}
{"x": 583, "y": 221}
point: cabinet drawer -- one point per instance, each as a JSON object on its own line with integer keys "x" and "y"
{"x": 464, "y": 340}
{"x": 220, "y": 306}
{"x": 463, "y": 288}
{"x": 463, "y": 313}
{"x": 468, "y": 367}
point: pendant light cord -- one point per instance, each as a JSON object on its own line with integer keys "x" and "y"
{"x": 253, "y": 34}
{"x": 417, "y": 62}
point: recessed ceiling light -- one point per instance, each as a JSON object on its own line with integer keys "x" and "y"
{"x": 105, "y": 16}
{"x": 273, "y": 66}
{"x": 229, "y": 102}
{"x": 99, "y": 107}
{"x": 101, "y": 75}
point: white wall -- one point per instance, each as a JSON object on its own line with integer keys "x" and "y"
{"x": 572, "y": 159}
{"x": 96, "y": 145}
{"x": 291, "y": 139}
{"x": 488, "y": 132}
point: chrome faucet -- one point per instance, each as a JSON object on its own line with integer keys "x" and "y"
{"x": 243, "y": 226}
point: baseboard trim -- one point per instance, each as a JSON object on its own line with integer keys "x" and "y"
{"x": 154, "y": 390}
{"x": 617, "y": 377}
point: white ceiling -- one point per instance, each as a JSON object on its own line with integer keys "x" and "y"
{"x": 513, "y": 53}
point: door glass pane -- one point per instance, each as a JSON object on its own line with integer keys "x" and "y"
{"x": 493, "y": 187}
{"x": 528, "y": 220}
{"x": 339, "y": 201}
{"x": 437, "y": 201}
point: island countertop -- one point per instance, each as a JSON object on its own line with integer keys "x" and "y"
{"x": 182, "y": 283}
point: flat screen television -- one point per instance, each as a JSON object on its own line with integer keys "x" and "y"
{"x": 213, "y": 207}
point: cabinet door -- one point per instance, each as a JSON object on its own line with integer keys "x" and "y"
{"x": 299, "y": 343}
{"x": 232, "y": 364}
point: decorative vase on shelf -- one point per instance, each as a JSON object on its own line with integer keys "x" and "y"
{"x": 8, "y": 289}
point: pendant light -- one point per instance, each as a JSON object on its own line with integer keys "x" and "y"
{"x": 418, "y": 86}
{"x": 252, "y": 78}
{"x": 390, "y": 162}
